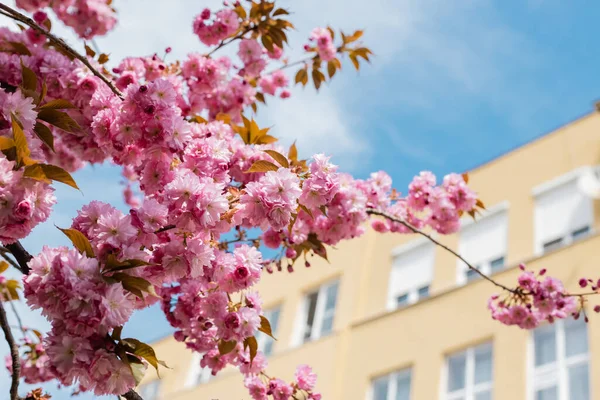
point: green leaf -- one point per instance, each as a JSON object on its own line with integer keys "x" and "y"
{"x": 265, "y": 326}
{"x": 137, "y": 286}
{"x": 80, "y": 242}
{"x": 280, "y": 158}
{"x": 59, "y": 119}
{"x": 226, "y": 346}
{"x": 44, "y": 134}
{"x": 45, "y": 172}
{"x": 29, "y": 80}
{"x": 262, "y": 166}
{"x": 116, "y": 333}
{"x": 57, "y": 104}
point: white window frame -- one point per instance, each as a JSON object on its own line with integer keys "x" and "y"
{"x": 320, "y": 313}
{"x": 555, "y": 373}
{"x": 392, "y": 379}
{"x": 484, "y": 266}
{"x": 413, "y": 292}
{"x": 263, "y": 338}
{"x": 470, "y": 389}
{"x": 196, "y": 374}
{"x": 554, "y": 184}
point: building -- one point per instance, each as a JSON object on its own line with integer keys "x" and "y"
{"x": 394, "y": 317}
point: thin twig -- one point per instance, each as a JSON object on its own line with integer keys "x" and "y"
{"x": 372, "y": 211}
{"x": 21, "y": 255}
{"x": 165, "y": 228}
{"x": 289, "y": 65}
{"x": 4, "y": 252}
{"x": 59, "y": 43}
{"x": 17, "y": 316}
{"x": 226, "y": 42}
{"x": 14, "y": 354}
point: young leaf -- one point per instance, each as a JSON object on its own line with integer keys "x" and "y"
{"x": 306, "y": 210}
{"x": 29, "y": 79}
{"x": 138, "y": 368}
{"x": 142, "y": 350}
{"x": 6, "y": 143}
{"x": 280, "y": 11}
{"x": 262, "y": 166}
{"x": 11, "y": 287}
{"x": 80, "y": 242}
{"x": 103, "y": 58}
{"x": 226, "y": 346}
{"x": 116, "y": 333}
{"x": 480, "y": 204}
{"x": 59, "y": 119}
{"x": 265, "y": 326}
{"x": 45, "y": 172}
{"x": 135, "y": 285}
{"x": 23, "y": 152}
{"x": 3, "y": 266}
{"x": 19, "y": 48}
{"x": 465, "y": 177}
{"x": 44, "y": 134}
{"x": 88, "y": 51}
{"x": 58, "y": 104}
{"x": 280, "y": 158}
{"x": 253, "y": 345}
{"x": 293, "y": 152}
{"x": 331, "y": 68}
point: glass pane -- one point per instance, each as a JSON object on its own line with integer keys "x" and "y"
{"x": 553, "y": 244}
{"x": 547, "y": 394}
{"x": 273, "y": 317}
{"x": 497, "y": 264}
{"x": 580, "y": 233}
{"x": 327, "y": 325}
{"x": 545, "y": 345}
{"x": 423, "y": 292}
{"x": 311, "y": 301}
{"x": 402, "y": 300}
{"x": 576, "y": 337}
{"x": 331, "y": 296}
{"x": 403, "y": 387}
{"x": 579, "y": 387}
{"x": 380, "y": 389}
{"x": 486, "y": 395}
{"x": 483, "y": 364}
{"x": 471, "y": 275}
{"x": 456, "y": 372}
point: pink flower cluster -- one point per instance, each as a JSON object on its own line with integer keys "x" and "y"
{"x": 439, "y": 207}
{"x": 324, "y": 43}
{"x": 536, "y": 299}
{"x": 24, "y": 202}
{"x": 34, "y": 362}
{"x": 83, "y": 308}
{"x": 226, "y": 23}
{"x": 88, "y": 18}
{"x": 305, "y": 381}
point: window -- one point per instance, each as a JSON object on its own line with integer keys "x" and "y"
{"x": 318, "y": 312}
{"x": 469, "y": 374}
{"x": 196, "y": 374}
{"x": 563, "y": 214}
{"x": 265, "y": 342}
{"x": 395, "y": 386}
{"x": 483, "y": 244}
{"x": 560, "y": 361}
{"x": 149, "y": 391}
{"x": 411, "y": 275}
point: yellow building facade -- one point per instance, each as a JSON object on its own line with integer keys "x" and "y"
{"x": 392, "y": 317}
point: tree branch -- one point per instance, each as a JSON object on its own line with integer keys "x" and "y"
{"x": 372, "y": 211}
{"x": 21, "y": 255}
{"x": 4, "y": 252}
{"x": 14, "y": 354}
{"x": 132, "y": 395}
{"x": 59, "y": 43}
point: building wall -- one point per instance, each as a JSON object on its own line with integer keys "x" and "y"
{"x": 367, "y": 341}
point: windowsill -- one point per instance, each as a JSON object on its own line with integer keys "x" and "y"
{"x": 593, "y": 234}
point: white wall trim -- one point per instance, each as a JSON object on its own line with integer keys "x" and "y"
{"x": 561, "y": 180}
{"x": 413, "y": 244}
{"x": 496, "y": 209}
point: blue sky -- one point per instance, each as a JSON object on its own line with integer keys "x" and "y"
{"x": 453, "y": 85}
